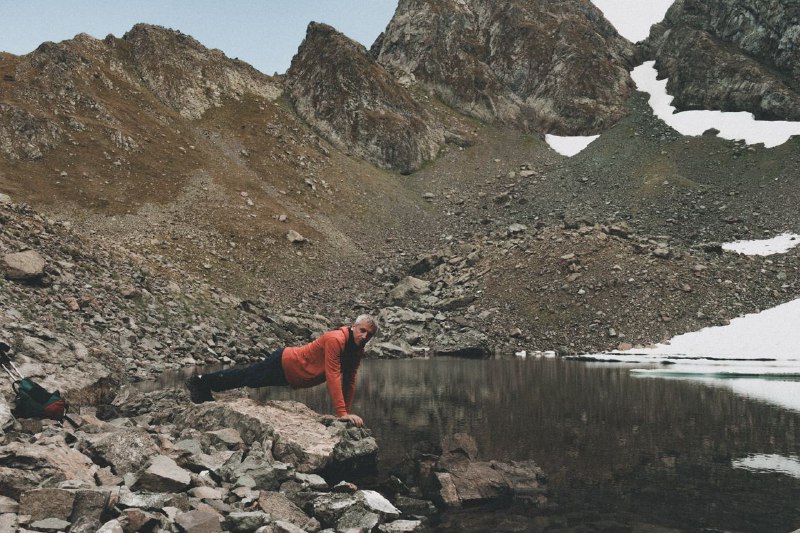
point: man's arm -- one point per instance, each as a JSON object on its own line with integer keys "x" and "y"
{"x": 349, "y": 386}
{"x": 333, "y": 376}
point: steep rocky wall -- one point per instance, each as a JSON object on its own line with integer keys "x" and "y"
{"x": 355, "y": 104}
{"x": 731, "y": 55}
{"x": 547, "y": 66}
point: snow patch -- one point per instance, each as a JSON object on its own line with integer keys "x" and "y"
{"x": 569, "y": 146}
{"x": 731, "y": 125}
{"x": 768, "y": 463}
{"x": 776, "y": 245}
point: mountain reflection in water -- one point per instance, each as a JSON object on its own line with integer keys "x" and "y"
{"x": 614, "y": 447}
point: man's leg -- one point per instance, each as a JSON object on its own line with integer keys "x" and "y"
{"x": 268, "y": 372}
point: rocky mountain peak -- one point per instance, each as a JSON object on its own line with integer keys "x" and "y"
{"x": 547, "y": 66}
{"x": 189, "y": 77}
{"x": 731, "y": 55}
{"x": 357, "y": 105}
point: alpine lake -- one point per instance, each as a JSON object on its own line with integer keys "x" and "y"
{"x": 621, "y": 452}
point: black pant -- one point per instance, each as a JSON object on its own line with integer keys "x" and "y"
{"x": 267, "y": 372}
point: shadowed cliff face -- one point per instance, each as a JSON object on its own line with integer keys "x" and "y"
{"x": 548, "y": 66}
{"x": 731, "y": 55}
{"x": 355, "y": 104}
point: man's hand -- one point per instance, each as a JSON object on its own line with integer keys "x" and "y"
{"x": 353, "y": 419}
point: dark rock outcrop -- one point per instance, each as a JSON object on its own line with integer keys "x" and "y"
{"x": 451, "y": 475}
{"x": 555, "y": 67}
{"x": 355, "y": 104}
{"x": 731, "y": 56}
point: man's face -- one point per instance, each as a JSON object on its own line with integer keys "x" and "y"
{"x": 362, "y": 333}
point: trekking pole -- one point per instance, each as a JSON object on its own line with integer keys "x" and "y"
{"x": 6, "y": 360}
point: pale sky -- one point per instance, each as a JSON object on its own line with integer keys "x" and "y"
{"x": 264, "y": 33}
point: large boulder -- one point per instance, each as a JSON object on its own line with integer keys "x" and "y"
{"x": 163, "y": 475}
{"x": 29, "y": 466}
{"x": 125, "y": 450}
{"x": 408, "y": 289}
{"x": 295, "y": 434}
{"x": 25, "y": 266}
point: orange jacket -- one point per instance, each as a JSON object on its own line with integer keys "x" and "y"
{"x": 325, "y": 359}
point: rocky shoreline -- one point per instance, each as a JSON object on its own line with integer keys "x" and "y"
{"x": 155, "y": 462}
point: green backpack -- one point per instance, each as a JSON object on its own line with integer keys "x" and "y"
{"x": 31, "y": 400}
{"x": 34, "y": 401}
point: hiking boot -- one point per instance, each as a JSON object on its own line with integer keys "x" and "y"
{"x": 198, "y": 391}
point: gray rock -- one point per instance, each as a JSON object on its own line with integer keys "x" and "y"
{"x": 358, "y": 518}
{"x": 9, "y": 522}
{"x": 407, "y": 289}
{"x": 125, "y": 449}
{"x": 50, "y": 524}
{"x": 329, "y": 508}
{"x": 300, "y": 438}
{"x": 212, "y": 462}
{"x": 199, "y": 521}
{"x": 451, "y": 304}
{"x": 281, "y": 526}
{"x": 376, "y": 503}
{"x": 294, "y": 237}
{"x": 280, "y": 508}
{"x": 142, "y": 500}
{"x": 242, "y": 522}
{"x": 401, "y": 526}
{"x": 112, "y": 526}
{"x": 314, "y": 481}
{"x": 206, "y": 493}
{"x": 447, "y": 493}
{"x": 4, "y": 199}
{"x": 27, "y": 265}
{"x": 425, "y": 263}
{"x": 227, "y": 437}
{"x": 265, "y": 475}
{"x": 389, "y": 349}
{"x": 414, "y": 506}
{"x": 163, "y": 475}
{"x": 8, "y": 505}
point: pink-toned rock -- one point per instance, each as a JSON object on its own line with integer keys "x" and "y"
{"x": 27, "y": 465}
{"x": 47, "y": 503}
{"x": 199, "y": 521}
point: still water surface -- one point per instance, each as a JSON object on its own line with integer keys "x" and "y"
{"x": 617, "y": 449}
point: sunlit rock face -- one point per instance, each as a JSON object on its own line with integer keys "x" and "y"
{"x": 550, "y": 66}
{"x": 189, "y": 77}
{"x": 731, "y": 55}
{"x": 355, "y": 104}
